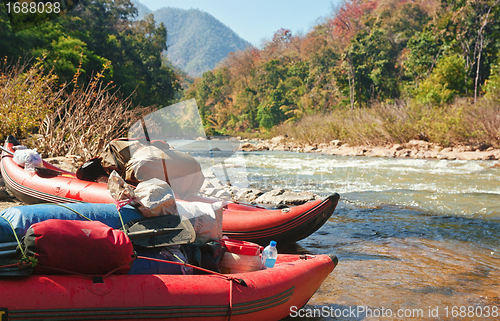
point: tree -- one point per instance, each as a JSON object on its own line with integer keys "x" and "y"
{"x": 492, "y": 86}
{"x": 423, "y": 50}
{"x": 346, "y": 24}
{"x": 469, "y": 30}
{"x": 445, "y": 82}
{"x": 97, "y": 33}
{"x": 373, "y": 58}
{"x": 480, "y": 44}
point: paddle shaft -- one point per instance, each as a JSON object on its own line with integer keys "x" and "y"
{"x": 153, "y": 232}
{"x": 6, "y": 150}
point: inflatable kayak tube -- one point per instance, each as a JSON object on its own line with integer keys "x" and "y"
{"x": 240, "y": 221}
{"x": 269, "y": 294}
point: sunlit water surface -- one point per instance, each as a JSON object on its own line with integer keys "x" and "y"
{"x": 414, "y": 237}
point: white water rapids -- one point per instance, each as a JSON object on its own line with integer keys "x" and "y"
{"x": 418, "y": 237}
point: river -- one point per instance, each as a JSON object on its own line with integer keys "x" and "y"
{"x": 416, "y": 239}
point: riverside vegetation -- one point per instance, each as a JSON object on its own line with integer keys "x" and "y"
{"x": 59, "y": 122}
{"x": 372, "y": 73}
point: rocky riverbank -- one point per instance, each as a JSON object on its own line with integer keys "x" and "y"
{"x": 412, "y": 149}
{"x": 215, "y": 188}
{"x": 6, "y": 199}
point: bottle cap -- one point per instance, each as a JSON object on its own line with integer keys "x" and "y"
{"x": 273, "y": 243}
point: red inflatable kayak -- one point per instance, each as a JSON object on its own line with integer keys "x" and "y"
{"x": 240, "y": 221}
{"x": 261, "y": 295}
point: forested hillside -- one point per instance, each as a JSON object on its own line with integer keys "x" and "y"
{"x": 408, "y": 60}
{"x": 99, "y": 35}
{"x": 196, "y": 40}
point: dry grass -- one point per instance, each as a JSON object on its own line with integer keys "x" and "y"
{"x": 86, "y": 120}
{"x": 485, "y": 118}
{"x": 460, "y": 123}
{"x": 68, "y": 122}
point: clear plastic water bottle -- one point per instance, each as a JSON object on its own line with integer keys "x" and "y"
{"x": 269, "y": 255}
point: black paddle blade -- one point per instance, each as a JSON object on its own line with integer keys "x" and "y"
{"x": 46, "y": 172}
{"x": 160, "y": 231}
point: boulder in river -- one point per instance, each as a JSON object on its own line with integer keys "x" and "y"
{"x": 247, "y": 147}
{"x": 248, "y": 195}
{"x": 286, "y": 197}
{"x": 215, "y": 188}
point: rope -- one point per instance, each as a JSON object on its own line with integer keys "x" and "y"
{"x": 23, "y": 263}
{"x": 83, "y": 274}
{"x": 227, "y": 277}
{"x": 122, "y": 203}
{"x": 69, "y": 208}
{"x": 120, "y": 215}
{"x": 174, "y": 255}
{"x": 120, "y": 267}
{"x": 9, "y": 265}
{"x": 24, "y": 260}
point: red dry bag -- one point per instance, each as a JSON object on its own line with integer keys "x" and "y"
{"x": 64, "y": 246}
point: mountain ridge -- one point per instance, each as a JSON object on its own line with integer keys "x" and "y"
{"x": 142, "y": 10}
{"x": 196, "y": 41}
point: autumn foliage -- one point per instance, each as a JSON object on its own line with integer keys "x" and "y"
{"x": 347, "y": 21}
{"x": 367, "y": 53}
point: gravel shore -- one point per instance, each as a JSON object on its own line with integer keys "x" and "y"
{"x": 412, "y": 149}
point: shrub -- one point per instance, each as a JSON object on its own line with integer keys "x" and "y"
{"x": 444, "y": 83}
{"x": 27, "y": 94}
{"x": 78, "y": 122}
{"x": 450, "y": 125}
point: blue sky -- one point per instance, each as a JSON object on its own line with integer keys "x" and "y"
{"x": 256, "y": 20}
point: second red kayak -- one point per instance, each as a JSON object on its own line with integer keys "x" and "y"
{"x": 240, "y": 221}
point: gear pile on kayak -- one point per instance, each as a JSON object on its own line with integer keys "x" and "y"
{"x": 135, "y": 246}
{"x": 128, "y": 236}
{"x": 49, "y": 184}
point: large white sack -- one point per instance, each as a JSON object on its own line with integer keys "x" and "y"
{"x": 181, "y": 171}
{"x": 205, "y": 218}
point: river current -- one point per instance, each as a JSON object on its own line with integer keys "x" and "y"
{"x": 416, "y": 239}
